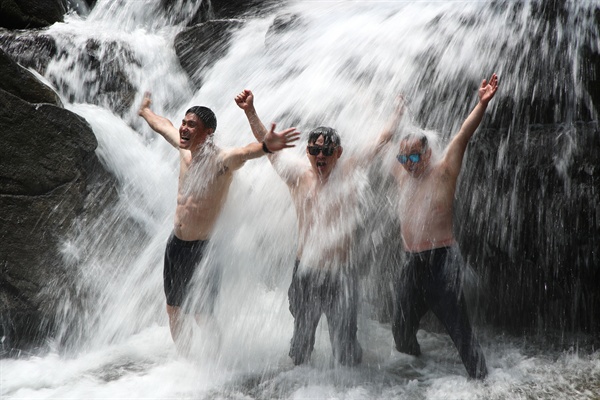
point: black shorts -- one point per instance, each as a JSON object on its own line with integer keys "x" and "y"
{"x": 181, "y": 273}
{"x": 313, "y": 293}
{"x": 432, "y": 280}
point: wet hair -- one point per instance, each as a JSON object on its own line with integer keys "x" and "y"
{"x": 205, "y": 115}
{"x": 418, "y": 136}
{"x": 330, "y": 136}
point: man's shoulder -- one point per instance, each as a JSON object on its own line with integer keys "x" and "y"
{"x": 220, "y": 160}
{"x": 443, "y": 170}
{"x": 300, "y": 178}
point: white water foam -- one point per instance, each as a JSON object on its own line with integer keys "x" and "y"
{"x": 343, "y": 66}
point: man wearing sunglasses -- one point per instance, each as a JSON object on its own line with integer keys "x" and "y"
{"x": 324, "y": 279}
{"x": 205, "y": 174}
{"x": 431, "y": 277}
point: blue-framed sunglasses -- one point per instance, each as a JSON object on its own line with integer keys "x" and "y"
{"x": 403, "y": 158}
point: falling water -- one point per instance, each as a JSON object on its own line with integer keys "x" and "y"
{"x": 340, "y": 64}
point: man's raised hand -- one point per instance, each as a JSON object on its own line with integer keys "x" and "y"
{"x": 276, "y": 141}
{"x": 146, "y": 101}
{"x": 488, "y": 89}
{"x": 245, "y": 100}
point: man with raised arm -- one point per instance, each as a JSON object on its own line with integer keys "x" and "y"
{"x": 432, "y": 276}
{"x": 325, "y": 197}
{"x": 205, "y": 175}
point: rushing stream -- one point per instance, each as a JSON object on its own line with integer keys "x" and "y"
{"x": 341, "y": 64}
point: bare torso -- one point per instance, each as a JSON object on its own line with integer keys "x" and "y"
{"x": 326, "y": 213}
{"x": 201, "y": 194}
{"x": 425, "y": 208}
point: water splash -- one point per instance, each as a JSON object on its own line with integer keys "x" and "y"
{"x": 340, "y": 64}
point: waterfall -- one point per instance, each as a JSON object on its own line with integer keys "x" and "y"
{"x": 340, "y": 64}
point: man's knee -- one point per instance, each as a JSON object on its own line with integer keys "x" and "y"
{"x": 174, "y": 312}
{"x": 349, "y": 353}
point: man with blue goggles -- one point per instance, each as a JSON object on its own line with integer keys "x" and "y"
{"x": 431, "y": 277}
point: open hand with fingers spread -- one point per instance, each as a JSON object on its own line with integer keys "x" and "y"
{"x": 276, "y": 141}
{"x": 488, "y": 89}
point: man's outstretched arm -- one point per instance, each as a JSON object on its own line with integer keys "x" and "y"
{"x": 458, "y": 145}
{"x": 245, "y": 101}
{"x": 271, "y": 142}
{"x": 371, "y": 150}
{"x": 389, "y": 130}
{"x": 289, "y": 170}
{"x": 159, "y": 124}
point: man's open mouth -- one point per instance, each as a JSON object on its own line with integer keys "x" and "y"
{"x": 321, "y": 164}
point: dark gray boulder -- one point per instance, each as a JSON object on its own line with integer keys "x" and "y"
{"x": 533, "y": 230}
{"x": 28, "y": 14}
{"x": 217, "y": 9}
{"x": 106, "y": 84}
{"x": 23, "y": 83}
{"x": 31, "y": 49}
{"x": 199, "y": 47}
{"x": 238, "y": 8}
{"x": 50, "y": 177}
{"x": 81, "y": 7}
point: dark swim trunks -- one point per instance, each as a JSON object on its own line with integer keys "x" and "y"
{"x": 181, "y": 273}
{"x": 313, "y": 293}
{"x": 432, "y": 280}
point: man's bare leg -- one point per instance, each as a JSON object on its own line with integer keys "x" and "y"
{"x": 210, "y": 332}
{"x": 180, "y": 333}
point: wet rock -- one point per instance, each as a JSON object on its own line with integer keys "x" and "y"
{"x": 104, "y": 80}
{"x": 561, "y": 67}
{"x": 81, "y": 7}
{"x": 199, "y": 47}
{"x": 194, "y": 14}
{"x": 31, "y": 49}
{"x": 50, "y": 177}
{"x": 24, "y": 84}
{"x": 29, "y": 14}
{"x": 528, "y": 220}
{"x": 282, "y": 24}
{"x": 238, "y": 8}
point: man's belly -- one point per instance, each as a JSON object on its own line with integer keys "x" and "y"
{"x": 417, "y": 238}
{"x": 318, "y": 255}
{"x": 195, "y": 227}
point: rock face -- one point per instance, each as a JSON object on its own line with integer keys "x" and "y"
{"x": 24, "y": 84}
{"x": 194, "y": 12}
{"x": 31, "y": 49}
{"x": 49, "y": 177}
{"x": 237, "y": 8}
{"x": 106, "y": 82}
{"x": 199, "y": 47}
{"x": 28, "y": 14}
{"x": 533, "y": 232}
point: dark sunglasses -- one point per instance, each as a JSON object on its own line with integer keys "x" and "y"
{"x": 315, "y": 150}
{"x": 403, "y": 158}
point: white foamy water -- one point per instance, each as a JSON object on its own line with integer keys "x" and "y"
{"x": 341, "y": 65}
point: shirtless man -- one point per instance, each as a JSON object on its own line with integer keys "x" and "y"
{"x": 432, "y": 275}
{"x": 324, "y": 280}
{"x": 205, "y": 175}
